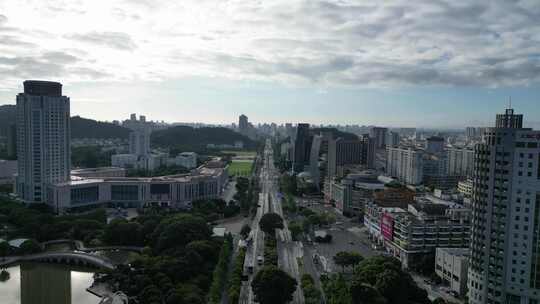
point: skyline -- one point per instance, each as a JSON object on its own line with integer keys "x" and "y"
{"x": 435, "y": 64}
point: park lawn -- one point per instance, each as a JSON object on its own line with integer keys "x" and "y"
{"x": 240, "y": 168}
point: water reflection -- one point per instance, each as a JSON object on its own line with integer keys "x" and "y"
{"x": 35, "y": 283}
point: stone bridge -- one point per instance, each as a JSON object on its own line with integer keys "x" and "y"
{"x": 79, "y": 245}
{"x": 71, "y": 258}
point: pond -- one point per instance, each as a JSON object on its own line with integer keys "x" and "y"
{"x": 37, "y": 283}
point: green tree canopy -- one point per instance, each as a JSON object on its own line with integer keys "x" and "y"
{"x": 269, "y": 222}
{"x": 179, "y": 230}
{"x": 347, "y": 259}
{"x": 272, "y": 285}
{"x": 366, "y": 294}
{"x": 122, "y": 232}
{"x": 246, "y": 229}
{"x": 389, "y": 280}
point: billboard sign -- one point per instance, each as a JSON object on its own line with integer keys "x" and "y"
{"x": 387, "y": 227}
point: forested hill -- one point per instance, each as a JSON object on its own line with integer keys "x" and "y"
{"x": 188, "y": 136}
{"x": 80, "y": 127}
{"x": 7, "y": 117}
{"x": 89, "y": 128}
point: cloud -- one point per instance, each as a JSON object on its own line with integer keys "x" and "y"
{"x": 48, "y": 65}
{"x": 330, "y": 42}
{"x": 116, "y": 40}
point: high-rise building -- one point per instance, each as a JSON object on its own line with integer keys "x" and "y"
{"x": 393, "y": 139}
{"x": 243, "y": 124}
{"x": 289, "y": 130}
{"x": 470, "y": 133}
{"x": 12, "y": 141}
{"x": 460, "y": 161}
{"x": 139, "y": 137}
{"x": 301, "y": 147}
{"x": 368, "y": 151}
{"x": 43, "y": 139}
{"x": 505, "y": 247}
{"x": 435, "y": 144}
{"x": 342, "y": 152}
{"x": 379, "y": 135}
{"x": 139, "y": 141}
{"x": 405, "y": 164}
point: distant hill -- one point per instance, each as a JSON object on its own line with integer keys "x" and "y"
{"x": 335, "y": 132}
{"x": 89, "y": 128}
{"x": 197, "y": 138}
{"x": 80, "y": 127}
{"x": 7, "y": 117}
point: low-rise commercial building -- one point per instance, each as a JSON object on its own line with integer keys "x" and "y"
{"x": 351, "y": 194}
{"x": 177, "y": 191}
{"x": 451, "y": 265}
{"x": 410, "y": 236}
{"x": 187, "y": 160}
{"x": 376, "y": 216}
{"x": 99, "y": 172}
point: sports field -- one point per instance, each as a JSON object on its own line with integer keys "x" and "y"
{"x": 240, "y": 167}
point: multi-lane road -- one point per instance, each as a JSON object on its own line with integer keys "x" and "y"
{"x": 288, "y": 251}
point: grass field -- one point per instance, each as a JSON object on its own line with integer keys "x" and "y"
{"x": 240, "y": 168}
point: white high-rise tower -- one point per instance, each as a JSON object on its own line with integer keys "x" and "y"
{"x": 43, "y": 139}
{"x": 505, "y": 247}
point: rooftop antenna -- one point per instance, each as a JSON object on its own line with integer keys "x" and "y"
{"x": 509, "y": 102}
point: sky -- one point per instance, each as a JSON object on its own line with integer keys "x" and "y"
{"x": 393, "y": 63}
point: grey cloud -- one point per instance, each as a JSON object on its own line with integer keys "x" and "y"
{"x": 13, "y": 41}
{"x": 47, "y": 65}
{"x": 116, "y": 40}
{"x": 313, "y": 70}
{"x": 424, "y": 42}
{"x": 59, "y": 57}
{"x": 88, "y": 72}
{"x": 28, "y": 67}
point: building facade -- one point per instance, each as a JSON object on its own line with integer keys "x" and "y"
{"x": 435, "y": 144}
{"x": 301, "y": 147}
{"x": 379, "y": 135}
{"x": 425, "y": 227}
{"x": 505, "y": 248}
{"x": 342, "y": 152}
{"x": 460, "y": 161}
{"x": 406, "y": 164}
{"x": 451, "y": 265}
{"x": 243, "y": 124}
{"x": 176, "y": 191}
{"x": 43, "y": 137}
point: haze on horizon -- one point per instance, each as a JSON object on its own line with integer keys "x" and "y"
{"x": 427, "y": 64}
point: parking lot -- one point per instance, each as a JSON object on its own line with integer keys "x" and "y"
{"x": 350, "y": 235}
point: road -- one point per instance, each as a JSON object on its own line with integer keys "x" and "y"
{"x": 288, "y": 251}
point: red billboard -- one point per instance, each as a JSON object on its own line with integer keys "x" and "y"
{"x": 387, "y": 227}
